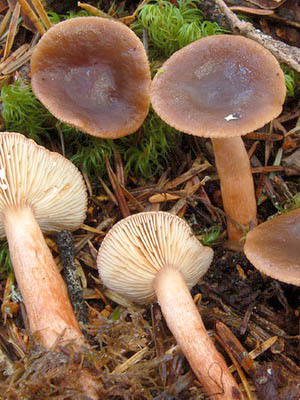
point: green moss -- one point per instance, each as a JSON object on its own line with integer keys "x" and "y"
{"x": 22, "y": 112}
{"x": 292, "y": 80}
{"x": 291, "y": 204}
{"x": 172, "y": 27}
{"x": 56, "y": 18}
{"x": 144, "y": 153}
{"x": 210, "y": 236}
{"x": 5, "y": 262}
{"x": 148, "y": 152}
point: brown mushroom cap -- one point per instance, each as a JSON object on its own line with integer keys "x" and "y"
{"x": 219, "y": 86}
{"x": 45, "y": 181}
{"x": 274, "y": 247}
{"x": 139, "y": 246}
{"x": 93, "y": 73}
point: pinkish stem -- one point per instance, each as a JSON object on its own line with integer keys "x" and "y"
{"x": 237, "y": 185}
{"x": 186, "y": 324}
{"x": 44, "y": 292}
{"x": 50, "y": 314}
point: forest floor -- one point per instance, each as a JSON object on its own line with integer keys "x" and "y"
{"x": 134, "y": 355}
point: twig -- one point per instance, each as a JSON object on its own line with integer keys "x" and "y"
{"x": 285, "y": 54}
{"x": 65, "y": 245}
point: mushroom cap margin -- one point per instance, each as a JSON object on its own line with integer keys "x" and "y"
{"x": 273, "y": 247}
{"x": 73, "y": 77}
{"x": 219, "y": 86}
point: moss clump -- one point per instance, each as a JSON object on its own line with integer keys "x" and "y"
{"x": 172, "y": 27}
{"x": 210, "y": 236}
{"x": 144, "y": 153}
{"x": 292, "y": 80}
{"x": 22, "y": 112}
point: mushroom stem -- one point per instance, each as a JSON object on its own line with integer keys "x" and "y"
{"x": 44, "y": 292}
{"x": 237, "y": 185}
{"x": 186, "y": 324}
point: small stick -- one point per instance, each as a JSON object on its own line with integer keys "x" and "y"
{"x": 286, "y": 54}
{"x": 65, "y": 245}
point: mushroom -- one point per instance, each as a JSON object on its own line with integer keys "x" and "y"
{"x": 273, "y": 247}
{"x": 223, "y": 87}
{"x": 155, "y": 255}
{"x": 40, "y": 190}
{"x": 93, "y": 73}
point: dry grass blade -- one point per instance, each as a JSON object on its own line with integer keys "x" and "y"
{"x": 117, "y": 190}
{"x": 32, "y": 16}
{"x": 92, "y": 230}
{"x": 12, "y": 30}
{"x": 196, "y": 169}
{"x": 4, "y": 22}
{"x": 109, "y": 193}
{"x": 107, "y": 223}
{"x": 132, "y": 199}
{"x": 18, "y": 62}
{"x": 131, "y": 361}
{"x": 42, "y": 13}
{"x": 14, "y": 56}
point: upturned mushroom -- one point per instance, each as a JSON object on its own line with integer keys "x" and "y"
{"x": 93, "y": 73}
{"x": 155, "y": 255}
{"x": 223, "y": 87}
{"x": 273, "y": 247}
{"x": 39, "y": 190}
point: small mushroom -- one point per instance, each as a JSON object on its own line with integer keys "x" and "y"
{"x": 155, "y": 255}
{"x": 273, "y": 247}
{"x": 40, "y": 190}
{"x": 222, "y": 87}
{"x": 93, "y": 73}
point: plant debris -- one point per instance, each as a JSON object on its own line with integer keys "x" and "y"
{"x": 253, "y": 319}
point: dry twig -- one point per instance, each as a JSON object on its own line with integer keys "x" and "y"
{"x": 285, "y": 54}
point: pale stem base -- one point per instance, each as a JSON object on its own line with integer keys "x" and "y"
{"x": 44, "y": 292}
{"x": 186, "y": 324}
{"x": 237, "y": 186}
